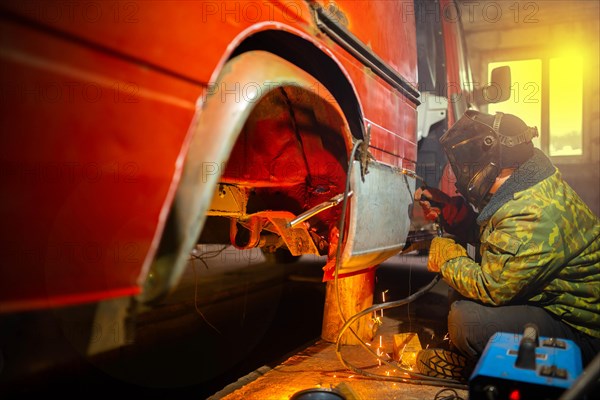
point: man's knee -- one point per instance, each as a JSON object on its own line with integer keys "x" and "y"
{"x": 465, "y": 318}
{"x": 470, "y": 327}
{"x": 460, "y": 324}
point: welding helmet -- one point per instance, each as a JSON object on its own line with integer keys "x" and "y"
{"x": 479, "y": 146}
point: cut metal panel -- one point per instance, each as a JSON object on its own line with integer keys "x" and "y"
{"x": 228, "y": 201}
{"x": 379, "y": 216}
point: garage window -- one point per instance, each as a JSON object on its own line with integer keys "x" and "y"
{"x": 525, "y": 92}
{"x": 566, "y": 102}
{"x": 559, "y": 113}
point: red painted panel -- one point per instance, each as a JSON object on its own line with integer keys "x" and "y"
{"x": 386, "y": 108}
{"x": 185, "y": 37}
{"x": 88, "y": 152}
{"x": 388, "y": 28}
{"x": 199, "y": 33}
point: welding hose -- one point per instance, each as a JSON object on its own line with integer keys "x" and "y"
{"x": 342, "y": 227}
{"x": 419, "y": 378}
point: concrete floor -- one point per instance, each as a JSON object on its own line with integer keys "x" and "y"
{"x": 236, "y": 315}
{"x": 318, "y": 366}
{"x": 224, "y": 320}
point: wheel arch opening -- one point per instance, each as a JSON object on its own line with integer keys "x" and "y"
{"x": 308, "y": 57}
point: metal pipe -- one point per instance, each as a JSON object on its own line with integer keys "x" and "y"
{"x": 334, "y": 201}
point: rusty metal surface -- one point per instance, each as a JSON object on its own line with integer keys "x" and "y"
{"x": 297, "y": 239}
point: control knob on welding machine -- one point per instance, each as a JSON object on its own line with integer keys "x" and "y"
{"x": 527, "y": 346}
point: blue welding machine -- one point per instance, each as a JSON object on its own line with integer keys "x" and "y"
{"x": 524, "y": 366}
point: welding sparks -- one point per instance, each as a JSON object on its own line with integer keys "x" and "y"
{"x": 431, "y": 331}
{"x": 376, "y": 319}
{"x": 383, "y": 300}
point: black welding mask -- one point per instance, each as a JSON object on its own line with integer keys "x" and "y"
{"x": 480, "y": 145}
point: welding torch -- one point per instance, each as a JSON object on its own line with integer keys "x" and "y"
{"x": 420, "y": 239}
{"x": 438, "y": 222}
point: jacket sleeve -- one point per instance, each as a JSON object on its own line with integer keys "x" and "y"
{"x": 520, "y": 254}
{"x": 459, "y": 219}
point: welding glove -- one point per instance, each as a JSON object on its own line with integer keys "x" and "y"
{"x": 442, "y": 250}
{"x": 432, "y": 201}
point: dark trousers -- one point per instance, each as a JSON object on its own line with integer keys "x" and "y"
{"x": 471, "y": 325}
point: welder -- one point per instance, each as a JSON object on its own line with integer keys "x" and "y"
{"x": 538, "y": 258}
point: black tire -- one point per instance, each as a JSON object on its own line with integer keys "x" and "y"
{"x": 441, "y": 363}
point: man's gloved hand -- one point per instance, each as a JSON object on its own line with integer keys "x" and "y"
{"x": 442, "y": 250}
{"x": 432, "y": 201}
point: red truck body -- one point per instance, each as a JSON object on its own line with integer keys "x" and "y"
{"x": 105, "y": 103}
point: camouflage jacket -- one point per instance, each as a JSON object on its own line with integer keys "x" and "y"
{"x": 539, "y": 245}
